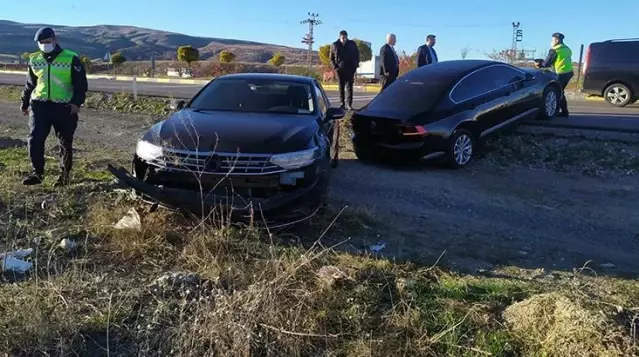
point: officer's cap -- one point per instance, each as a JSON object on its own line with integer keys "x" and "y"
{"x": 558, "y": 35}
{"x": 43, "y": 34}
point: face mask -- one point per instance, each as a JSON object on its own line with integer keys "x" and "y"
{"x": 46, "y": 47}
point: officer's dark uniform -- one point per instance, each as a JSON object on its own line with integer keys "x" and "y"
{"x": 345, "y": 60}
{"x": 560, "y": 59}
{"x": 54, "y": 81}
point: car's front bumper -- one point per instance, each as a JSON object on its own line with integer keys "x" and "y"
{"x": 280, "y": 206}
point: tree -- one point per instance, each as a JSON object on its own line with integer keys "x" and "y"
{"x": 277, "y": 60}
{"x": 464, "y": 52}
{"x": 406, "y": 62}
{"x": 188, "y": 54}
{"x": 324, "y": 55}
{"x": 86, "y": 62}
{"x": 227, "y": 57}
{"x": 117, "y": 59}
{"x": 503, "y": 55}
{"x": 365, "y": 51}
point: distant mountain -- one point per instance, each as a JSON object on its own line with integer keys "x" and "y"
{"x": 138, "y": 43}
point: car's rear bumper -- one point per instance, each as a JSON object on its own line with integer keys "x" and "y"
{"x": 278, "y": 206}
{"x": 429, "y": 147}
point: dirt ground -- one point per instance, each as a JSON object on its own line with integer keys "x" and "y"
{"x": 502, "y": 210}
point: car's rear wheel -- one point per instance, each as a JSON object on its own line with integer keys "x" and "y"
{"x": 550, "y": 103}
{"x": 618, "y": 95}
{"x": 461, "y": 149}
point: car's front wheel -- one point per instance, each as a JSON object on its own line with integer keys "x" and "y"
{"x": 461, "y": 147}
{"x": 618, "y": 95}
{"x": 550, "y": 103}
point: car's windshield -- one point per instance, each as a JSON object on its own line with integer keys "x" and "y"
{"x": 256, "y": 96}
{"x": 409, "y": 96}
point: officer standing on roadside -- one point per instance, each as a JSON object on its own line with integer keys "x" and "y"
{"x": 55, "y": 89}
{"x": 560, "y": 59}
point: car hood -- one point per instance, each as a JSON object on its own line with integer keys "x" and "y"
{"x": 232, "y": 132}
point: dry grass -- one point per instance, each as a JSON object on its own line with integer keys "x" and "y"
{"x": 251, "y": 293}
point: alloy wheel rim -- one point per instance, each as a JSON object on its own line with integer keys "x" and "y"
{"x": 463, "y": 149}
{"x": 551, "y": 103}
{"x": 617, "y": 95}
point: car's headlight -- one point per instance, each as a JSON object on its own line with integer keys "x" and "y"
{"x": 147, "y": 151}
{"x": 295, "y": 160}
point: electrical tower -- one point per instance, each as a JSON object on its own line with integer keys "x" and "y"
{"x": 312, "y": 21}
{"x": 517, "y": 37}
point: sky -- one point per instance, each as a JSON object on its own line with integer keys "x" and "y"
{"x": 480, "y": 25}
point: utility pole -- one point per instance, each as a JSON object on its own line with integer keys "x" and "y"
{"x": 312, "y": 21}
{"x": 517, "y": 37}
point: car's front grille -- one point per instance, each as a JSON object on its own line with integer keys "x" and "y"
{"x": 217, "y": 163}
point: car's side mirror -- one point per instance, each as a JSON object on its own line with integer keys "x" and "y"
{"x": 529, "y": 76}
{"x": 334, "y": 114}
{"x": 177, "y": 105}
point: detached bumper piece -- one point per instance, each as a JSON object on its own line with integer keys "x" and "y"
{"x": 276, "y": 209}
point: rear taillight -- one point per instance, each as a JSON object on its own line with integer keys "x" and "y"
{"x": 416, "y": 130}
{"x": 586, "y": 60}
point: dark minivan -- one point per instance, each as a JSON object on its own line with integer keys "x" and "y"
{"x": 611, "y": 70}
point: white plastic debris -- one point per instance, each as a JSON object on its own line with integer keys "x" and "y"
{"x": 378, "y": 247}
{"x": 68, "y": 244}
{"x": 12, "y": 261}
{"x": 608, "y": 265}
{"x": 130, "y": 221}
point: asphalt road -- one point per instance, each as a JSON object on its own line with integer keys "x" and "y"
{"x": 585, "y": 114}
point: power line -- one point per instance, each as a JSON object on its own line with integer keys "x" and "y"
{"x": 309, "y": 39}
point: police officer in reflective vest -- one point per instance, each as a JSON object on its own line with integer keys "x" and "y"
{"x": 560, "y": 59}
{"x": 55, "y": 89}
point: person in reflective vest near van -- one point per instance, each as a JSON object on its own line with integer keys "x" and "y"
{"x": 54, "y": 91}
{"x": 560, "y": 60}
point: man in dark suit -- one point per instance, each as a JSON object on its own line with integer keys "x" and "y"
{"x": 426, "y": 53}
{"x": 344, "y": 56}
{"x": 389, "y": 62}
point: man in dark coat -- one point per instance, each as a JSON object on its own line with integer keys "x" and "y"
{"x": 344, "y": 57}
{"x": 389, "y": 62}
{"x": 426, "y": 54}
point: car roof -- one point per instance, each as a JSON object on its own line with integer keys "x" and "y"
{"x": 448, "y": 70}
{"x": 269, "y": 76}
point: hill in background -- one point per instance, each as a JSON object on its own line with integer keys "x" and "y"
{"x": 138, "y": 43}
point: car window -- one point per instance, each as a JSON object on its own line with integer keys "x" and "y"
{"x": 484, "y": 81}
{"x": 321, "y": 100}
{"x": 255, "y": 96}
{"x": 408, "y": 97}
{"x": 623, "y": 52}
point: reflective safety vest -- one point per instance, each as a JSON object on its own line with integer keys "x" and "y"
{"x": 54, "y": 79}
{"x": 563, "y": 62}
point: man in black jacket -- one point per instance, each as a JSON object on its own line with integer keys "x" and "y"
{"x": 344, "y": 57}
{"x": 389, "y": 62}
{"x": 426, "y": 54}
{"x": 55, "y": 89}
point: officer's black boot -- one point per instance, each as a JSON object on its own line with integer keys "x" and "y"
{"x": 33, "y": 179}
{"x": 564, "y": 107}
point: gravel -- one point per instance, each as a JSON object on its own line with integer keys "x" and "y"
{"x": 562, "y": 213}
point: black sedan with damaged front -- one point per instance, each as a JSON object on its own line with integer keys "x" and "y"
{"x": 249, "y": 144}
{"x": 443, "y": 110}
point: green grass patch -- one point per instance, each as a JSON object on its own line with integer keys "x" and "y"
{"x": 121, "y": 102}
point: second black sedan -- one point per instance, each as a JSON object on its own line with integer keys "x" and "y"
{"x": 442, "y": 110}
{"x": 251, "y": 143}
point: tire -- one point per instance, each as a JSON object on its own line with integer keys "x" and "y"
{"x": 461, "y": 149}
{"x": 549, "y": 103}
{"x": 618, "y": 95}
